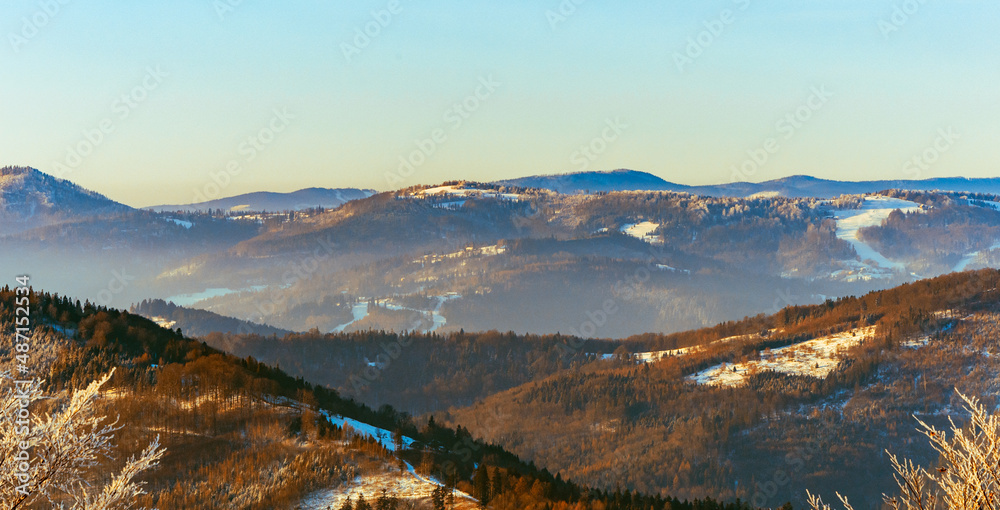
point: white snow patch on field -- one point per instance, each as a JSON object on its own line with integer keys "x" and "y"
{"x": 185, "y": 224}
{"x": 358, "y": 311}
{"x": 872, "y": 212}
{"x": 384, "y": 437}
{"x": 643, "y": 230}
{"x": 654, "y": 356}
{"x": 977, "y": 256}
{"x": 163, "y": 322}
{"x": 406, "y": 485}
{"x": 817, "y": 358}
{"x": 458, "y": 191}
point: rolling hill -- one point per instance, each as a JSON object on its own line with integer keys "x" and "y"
{"x": 275, "y": 202}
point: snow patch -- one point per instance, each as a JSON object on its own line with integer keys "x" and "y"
{"x": 185, "y": 224}
{"x": 817, "y": 358}
{"x": 460, "y": 191}
{"x": 359, "y": 311}
{"x": 163, "y": 322}
{"x": 872, "y": 212}
{"x": 644, "y": 231}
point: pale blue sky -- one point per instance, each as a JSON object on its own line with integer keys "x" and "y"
{"x": 559, "y": 85}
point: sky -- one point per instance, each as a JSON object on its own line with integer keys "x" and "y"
{"x": 177, "y": 102}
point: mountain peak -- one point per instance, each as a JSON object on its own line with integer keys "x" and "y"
{"x": 30, "y": 198}
{"x": 595, "y": 181}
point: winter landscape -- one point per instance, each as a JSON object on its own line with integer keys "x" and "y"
{"x": 541, "y": 256}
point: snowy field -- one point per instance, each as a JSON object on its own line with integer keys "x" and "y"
{"x": 816, "y": 358}
{"x": 459, "y": 191}
{"x": 360, "y": 310}
{"x": 654, "y": 356}
{"x": 163, "y": 322}
{"x": 405, "y": 484}
{"x": 974, "y": 257}
{"x": 643, "y": 230}
{"x": 193, "y": 299}
{"x": 872, "y": 213}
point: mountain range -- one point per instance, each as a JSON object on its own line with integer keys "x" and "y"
{"x": 269, "y": 201}
{"x": 793, "y": 186}
{"x": 474, "y": 256}
{"x": 647, "y": 345}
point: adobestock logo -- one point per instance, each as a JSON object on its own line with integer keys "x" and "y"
{"x": 589, "y": 152}
{"x": 714, "y": 28}
{"x": 249, "y": 149}
{"x": 787, "y": 126}
{"x": 454, "y": 118}
{"x": 32, "y": 25}
{"x": 901, "y": 15}
{"x": 923, "y": 161}
{"x": 123, "y": 107}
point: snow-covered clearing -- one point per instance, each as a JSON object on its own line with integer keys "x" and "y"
{"x": 469, "y": 251}
{"x": 989, "y": 204}
{"x": 384, "y": 437}
{"x": 460, "y": 191}
{"x": 974, "y": 257}
{"x": 654, "y": 356}
{"x": 185, "y": 224}
{"x": 360, "y": 311}
{"x": 407, "y": 484}
{"x": 817, "y": 358}
{"x": 872, "y": 212}
{"x": 672, "y": 269}
{"x": 643, "y": 230}
{"x": 193, "y": 298}
{"x": 163, "y": 322}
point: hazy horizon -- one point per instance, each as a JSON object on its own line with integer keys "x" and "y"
{"x": 167, "y": 95}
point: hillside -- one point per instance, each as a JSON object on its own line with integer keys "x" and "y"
{"x": 476, "y": 256}
{"x": 479, "y": 257}
{"x": 768, "y": 407}
{"x": 197, "y": 323}
{"x": 308, "y": 198}
{"x": 31, "y": 199}
{"x": 241, "y": 434}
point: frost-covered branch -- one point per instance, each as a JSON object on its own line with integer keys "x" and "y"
{"x": 63, "y": 446}
{"x": 969, "y": 478}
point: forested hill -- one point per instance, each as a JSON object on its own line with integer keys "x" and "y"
{"x": 220, "y": 414}
{"x": 769, "y": 407}
{"x": 632, "y": 413}
{"x": 430, "y": 372}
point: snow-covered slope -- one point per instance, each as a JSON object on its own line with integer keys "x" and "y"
{"x": 873, "y": 212}
{"x": 406, "y": 483}
{"x": 644, "y": 231}
{"x": 816, "y": 358}
{"x": 30, "y": 199}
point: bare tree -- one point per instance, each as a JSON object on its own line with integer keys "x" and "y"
{"x": 968, "y": 479}
{"x": 49, "y": 457}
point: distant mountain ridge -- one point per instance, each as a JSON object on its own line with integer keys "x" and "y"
{"x": 792, "y": 186}
{"x": 30, "y": 199}
{"x": 273, "y": 201}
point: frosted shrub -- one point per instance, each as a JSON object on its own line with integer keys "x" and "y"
{"x": 969, "y": 478}
{"x": 62, "y": 448}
